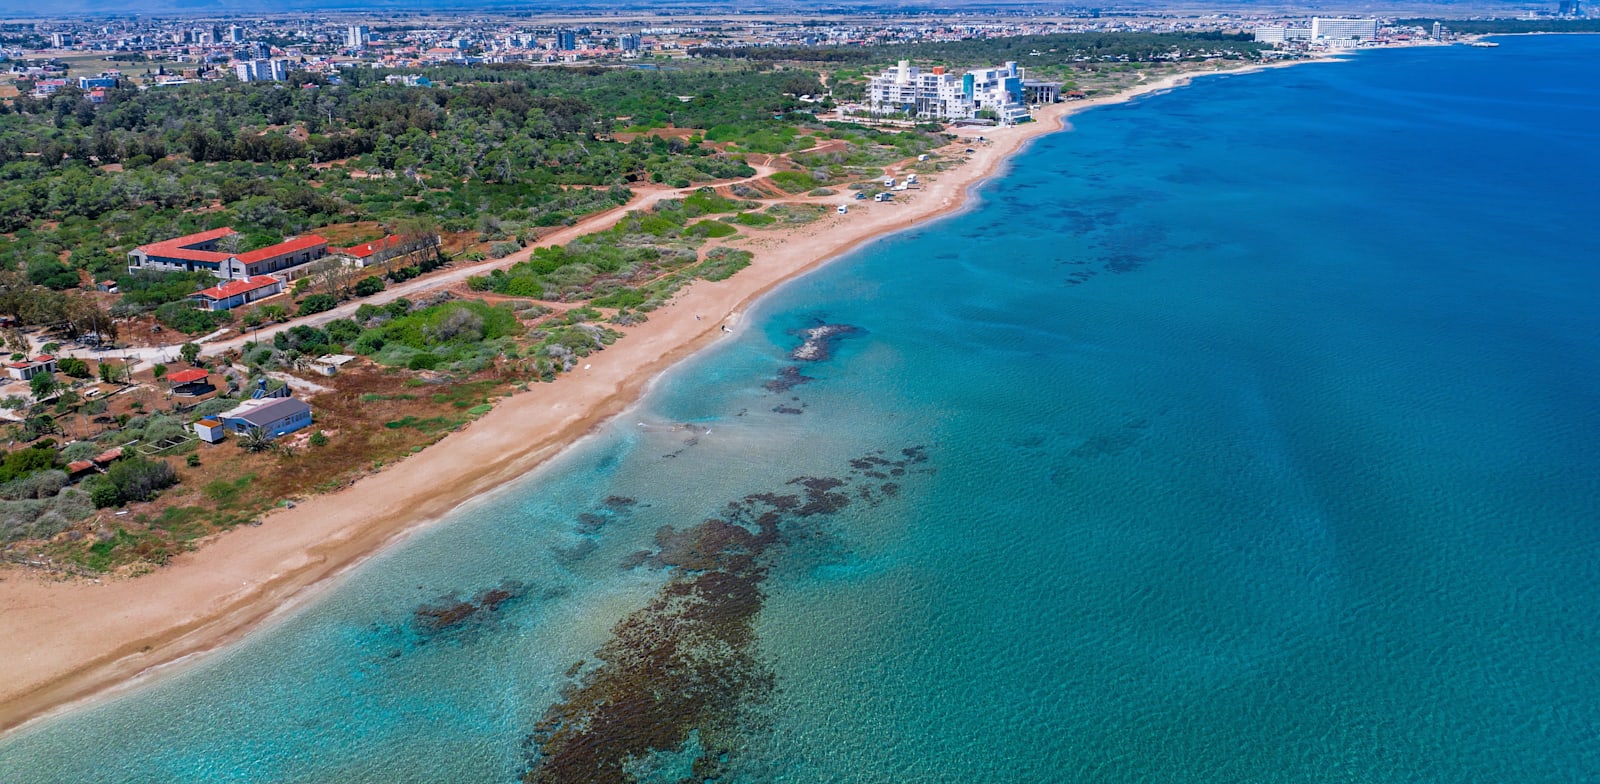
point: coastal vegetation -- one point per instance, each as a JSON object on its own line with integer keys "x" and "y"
{"x": 493, "y": 159}
{"x": 485, "y": 166}
{"x": 1506, "y": 26}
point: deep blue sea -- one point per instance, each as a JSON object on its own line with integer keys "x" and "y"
{"x": 1243, "y": 433}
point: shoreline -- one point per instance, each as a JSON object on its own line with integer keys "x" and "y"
{"x": 103, "y": 638}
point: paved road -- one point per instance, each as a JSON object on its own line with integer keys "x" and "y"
{"x": 642, "y": 199}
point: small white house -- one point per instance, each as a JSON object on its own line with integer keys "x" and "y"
{"x": 210, "y": 430}
{"x": 330, "y": 364}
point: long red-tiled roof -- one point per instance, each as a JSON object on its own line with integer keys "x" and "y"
{"x": 188, "y": 376}
{"x": 234, "y": 288}
{"x": 178, "y": 247}
{"x": 287, "y": 246}
{"x": 367, "y": 249}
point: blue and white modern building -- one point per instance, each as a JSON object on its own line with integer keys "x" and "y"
{"x": 999, "y": 93}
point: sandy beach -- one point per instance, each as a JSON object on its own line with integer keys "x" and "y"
{"x": 64, "y": 641}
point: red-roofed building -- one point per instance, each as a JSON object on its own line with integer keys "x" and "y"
{"x": 26, "y": 369}
{"x": 193, "y": 381}
{"x": 369, "y": 253}
{"x": 291, "y": 254}
{"x": 226, "y": 296}
{"x": 201, "y": 252}
{"x": 78, "y": 469}
{"x": 188, "y": 376}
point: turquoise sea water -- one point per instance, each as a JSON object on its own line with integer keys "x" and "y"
{"x": 1259, "y": 420}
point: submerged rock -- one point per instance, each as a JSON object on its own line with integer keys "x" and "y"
{"x": 821, "y": 340}
{"x": 450, "y": 612}
{"x": 787, "y": 379}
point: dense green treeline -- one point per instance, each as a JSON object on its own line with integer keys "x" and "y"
{"x": 1051, "y": 49}
{"x": 1487, "y": 26}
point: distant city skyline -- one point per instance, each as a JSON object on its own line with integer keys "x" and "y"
{"x": 216, "y": 8}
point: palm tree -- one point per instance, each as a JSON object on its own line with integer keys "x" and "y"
{"x": 255, "y": 440}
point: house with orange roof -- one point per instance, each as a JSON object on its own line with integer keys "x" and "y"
{"x": 368, "y": 253}
{"x": 233, "y": 293}
{"x": 25, "y": 369}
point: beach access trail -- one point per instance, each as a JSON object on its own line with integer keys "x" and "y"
{"x": 63, "y": 641}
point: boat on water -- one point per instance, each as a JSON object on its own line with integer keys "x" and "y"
{"x": 1484, "y": 44}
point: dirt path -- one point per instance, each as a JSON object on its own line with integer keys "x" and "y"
{"x": 643, "y": 199}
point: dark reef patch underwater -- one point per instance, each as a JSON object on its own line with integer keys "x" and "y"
{"x": 682, "y": 675}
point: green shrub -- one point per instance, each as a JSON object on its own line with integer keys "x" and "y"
{"x": 342, "y": 331}
{"x": 317, "y": 303}
{"x": 711, "y": 229}
{"x": 73, "y": 366}
{"x": 23, "y": 462}
{"x": 722, "y": 263}
{"x": 139, "y": 479}
{"x": 423, "y": 361}
{"x": 795, "y": 182}
{"x": 754, "y": 219}
{"x": 104, "y": 494}
{"x": 184, "y": 317}
{"x": 367, "y": 287}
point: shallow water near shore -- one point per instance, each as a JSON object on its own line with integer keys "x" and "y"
{"x": 1258, "y": 422}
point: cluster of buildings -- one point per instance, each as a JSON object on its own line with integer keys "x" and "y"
{"x": 250, "y": 276}
{"x": 261, "y": 70}
{"x": 219, "y": 48}
{"x": 1001, "y": 94}
{"x": 1319, "y": 30}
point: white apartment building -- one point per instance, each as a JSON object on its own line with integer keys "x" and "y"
{"x": 357, "y": 36}
{"x": 998, "y": 90}
{"x": 907, "y": 89}
{"x": 261, "y": 70}
{"x": 940, "y": 95}
{"x": 1358, "y": 29}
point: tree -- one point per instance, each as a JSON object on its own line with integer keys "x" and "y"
{"x": 74, "y": 367}
{"x": 112, "y": 372}
{"x": 189, "y": 352}
{"x": 331, "y": 276}
{"x": 42, "y": 385}
{"x": 255, "y": 440}
{"x": 158, "y": 372}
